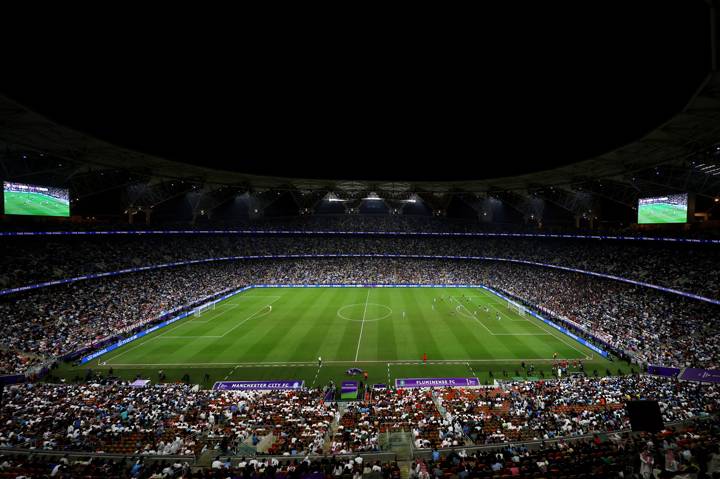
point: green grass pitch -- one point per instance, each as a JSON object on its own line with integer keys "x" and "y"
{"x": 17, "y": 203}
{"x": 278, "y": 333}
{"x": 662, "y": 213}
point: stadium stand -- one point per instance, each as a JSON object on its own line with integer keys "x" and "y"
{"x": 686, "y": 267}
{"x": 175, "y": 420}
{"x": 557, "y": 262}
{"x": 645, "y": 324}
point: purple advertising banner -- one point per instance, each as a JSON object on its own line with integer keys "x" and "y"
{"x": 14, "y": 379}
{"x": 347, "y": 386}
{"x": 696, "y": 374}
{"x": 437, "y": 382}
{"x": 258, "y": 385}
{"x": 663, "y": 371}
{"x": 349, "y": 390}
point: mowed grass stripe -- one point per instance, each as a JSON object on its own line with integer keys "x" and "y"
{"x": 198, "y": 349}
{"x": 467, "y": 333}
{"x": 314, "y": 329}
{"x": 375, "y": 345}
{"x": 565, "y": 343}
{"x": 304, "y": 324}
{"x": 238, "y": 341}
{"x": 386, "y": 343}
{"x": 349, "y": 331}
{"x": 491, "y": 345}
{"x": 426, "y": 341}
{"x": 257, "y": 345}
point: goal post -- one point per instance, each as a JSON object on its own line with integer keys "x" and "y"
{"x": 516, "y": 307}
{"x": 205, "y": 307}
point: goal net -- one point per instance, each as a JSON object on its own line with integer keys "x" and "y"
{"x": 516, "y": 307}
{"x": 205, "y": 307}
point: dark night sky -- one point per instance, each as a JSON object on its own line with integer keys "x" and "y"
{"x": 470, "y": 96}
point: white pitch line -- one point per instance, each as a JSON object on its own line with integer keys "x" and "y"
{"x": 220, "y": 310}
{"x": 144, "y": 342}
{"x": 244, "y": 296}
{"x": 497, "y": 300}
{"x": 189, "y": 337}
{"x": 362, "y": 325}
{"x": 247, "y": 319}
{"x": 316, "y": 375}
{"x": 169, "y": 330}
{"x": 311, "y": 363}
{"x": 552, "y": 332}
{"x": 522, "y": 334}
{"x": 473, "y": 316}
{"x": 471, "y": 370}
{"x": 231, "y": 371}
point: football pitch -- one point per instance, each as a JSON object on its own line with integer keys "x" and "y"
{"x": 279, "y": 333}
{"x": 17, "y": 203}
{"x": 662, "y": 213}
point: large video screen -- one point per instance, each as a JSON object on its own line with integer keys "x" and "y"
{"x": 22, "y": 199}
{"x": 663, "y": 209}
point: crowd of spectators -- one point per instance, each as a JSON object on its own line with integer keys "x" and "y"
{"x": 163, "y": 420}
{"x": 298, "y": 420}
{"x": 543, "y": 410}
{"x": 652, "y": 326}
{"x": 16, "y": 466}
{"x": 686, "y": 267}
{"x": 169, "y": 419}
{"x": 517, "y": 411}
{"x": 177, "y": 420}
{"x": 683, "y": 452}
{"x": 402, "y": 410}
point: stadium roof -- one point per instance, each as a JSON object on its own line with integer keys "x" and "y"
{"x": 550, "y": 106}
{"x": 694, "y": 129}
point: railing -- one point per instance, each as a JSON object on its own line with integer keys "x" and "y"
{"x": 536, "y": 444}
{"x": 100, "y": 455}
{"x": 367, "y": 456}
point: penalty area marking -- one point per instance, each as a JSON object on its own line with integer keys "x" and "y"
{"x": 182, "y": 323}
{"x": 541, "y": 326}
{"x": 267, "y": 309}
{"x": 492, "y": 299}
{"x": 224, "y": 306}
{"x": 222, "y": 309}
{"x": 472, "y": 316}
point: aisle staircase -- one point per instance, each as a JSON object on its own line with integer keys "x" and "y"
{"x": 398, "y": 442}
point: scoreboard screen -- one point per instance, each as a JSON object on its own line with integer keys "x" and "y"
{"x": 663, "y": 209}
{"x": 33, "y": 200}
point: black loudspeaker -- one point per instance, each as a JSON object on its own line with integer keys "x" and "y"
{"x": 644, "y": 416}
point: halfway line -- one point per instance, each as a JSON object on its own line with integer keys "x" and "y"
{"x": 362, "y": 325}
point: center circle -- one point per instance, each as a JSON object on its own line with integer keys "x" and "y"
{"x": 368, "y": 311}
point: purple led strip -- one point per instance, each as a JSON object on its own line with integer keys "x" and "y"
{"x": 358, "y": 233}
